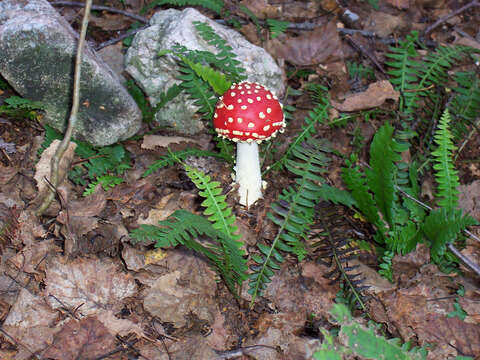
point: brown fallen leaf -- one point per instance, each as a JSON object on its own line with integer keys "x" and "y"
{"x": 383, "y": 24}
{"x": 96, "y": 284}
{"x": 31, "y": 323}
{"x": 43, "y": 165}
{"x": 152, "y": 141}
{"x": 188, "y": 288}
{"x": 320, "y": 46}
{"x": 399, "y": 4}
{"x": 7, "y": 173}
{"x": 84, "y": 339}
{"x": 31, "y": 259}
{"x": 262, "y": 9}
{"x": 374, "y": 96}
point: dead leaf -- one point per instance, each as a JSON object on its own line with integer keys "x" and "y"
{"x": 262, "y": 9}
{"x": 278, "y": 333}
{"x": 320, "y": 46}
{"x": 84, "y": 339}
{"x": 116, "y": 326}
{"x": 31, "y": 259}
{"x": 93, "y": 283}
{"x": 152, "y": 141}
{"x": 469, "y": 198}
{"x": 43, "y": 165}
{"x": 307, "y": 291}
{"x": 374, "y": 96}
{"x": 383, "y": 24}
{"x": 31, "y": 323}
{"x": 110, "y": 22}
{"x": 7, "y": 173}
{"x": 399, "y": 4}
{"x": 188, "y": 288}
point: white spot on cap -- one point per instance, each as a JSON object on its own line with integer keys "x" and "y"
{"x": 239, "y": 101}
{"x": 266, "y": 127}
{"x": 236, "y": 132}
{"x": 255, "y": 135}
{"x": 230, "y": 120}
{"x": 258, "y": 87}
{"x": 242, "y": 92}
{"x": 269, "y": 110}
{"x": 259, "y": 98}
{"x": 247, "y": 133}
{"x": 239, "y": 87}
{"x": 232, "y": 94}
{"x": 247, "y": 86}
{"x": 239, "y": 120}
{"x": 215, "y": 116}
{"x": 243, "y": 107}
{"x": 256, "y": 91}
{"x": 251, "y": 125}
{"x": 230, "y": 107}
{"x": 280, "y": 123}
{"x": 249, "y": 92}
{"x": 219, "y": 106}
{"x": 261, "y": 115}
{"x": 249, "y": 140}
{"x": 269, "y": 97}
{"x": 250, "y": 101}
{"x": 275, "y": 97}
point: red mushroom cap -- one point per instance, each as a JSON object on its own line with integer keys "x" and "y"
{"x": 248, "y": 112}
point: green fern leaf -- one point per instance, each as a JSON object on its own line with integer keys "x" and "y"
{"x": 384, "y": 153}
{"x": 184, "y": 228}
{"x": 293, "y": 214}
{"x": 220, "y": 216}
{"x": 465, "y": 106}
{"x": 173, "y": 156}
{"x": 319, "y": 115}
{"x": 443, "y": 226}
{"x": 445, "y": 174}
{"x": 108, "y": 182}
{"x": 277, "y": 27}
{"x": 214, "y": 5}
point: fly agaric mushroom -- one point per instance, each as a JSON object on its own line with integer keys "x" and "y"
{"x": 248, "y": 113}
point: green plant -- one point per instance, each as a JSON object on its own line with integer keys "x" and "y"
{"x": 20, "y": 108}
{"x": 356, "y": 70}
{"x": 214, "y": 5}
{"x": 99, "y": 165}
{"x": 293, "y": 213}
{"x": 223, "y": 251}
{"x": 361, "y": 340}
{"x": 400, "y": 225}
{"x": 148, "y": 113}
{"x": 277, "y": 27}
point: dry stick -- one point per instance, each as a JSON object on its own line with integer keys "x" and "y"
{"x": 452, "y": 14}
{"x": 120, "y": 38}
{"x": 101, "y": 8}
{"x": 73, "y": 115}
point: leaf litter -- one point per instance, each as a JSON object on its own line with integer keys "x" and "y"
{"x": 156, "y": 304}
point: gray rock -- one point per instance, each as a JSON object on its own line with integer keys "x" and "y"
{"x": 157, "y": 74}
{"x": 37, "y": 55}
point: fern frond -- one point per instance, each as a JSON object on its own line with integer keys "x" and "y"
{"x": 184, "y": 228}
{"x": 445, "y": 174}
{"x": 108, "y": 182}
{"x": 319, "y": 115}
{"x": 356, "y": 182}
{"x": 384, "y": 153}
{"x": 214, "y": 5}
{"x": 335, "y": 249}
{"x": 220, "y": 216}
{"x": 173, "y": 156}
{"x": 292, "y": 213}
{"x": 277, "y": 27}
{"x": 443, "y": 226}
{"x": 225, "y": 59}
{"x": 465, "y": 106}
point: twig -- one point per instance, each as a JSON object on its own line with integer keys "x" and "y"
{"x": 120, "y": 38}
{"x": 440, "y": 21}
{"x": 73, "y": 115}
{"x": 466, "y": 261}
{"x": 101, "y": 8}
{"x": 359, "y": 47}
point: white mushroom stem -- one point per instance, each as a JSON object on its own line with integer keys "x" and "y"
{"x": 247, "y": 173}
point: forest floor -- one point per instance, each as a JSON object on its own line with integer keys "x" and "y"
{"x": 115, "y": 299}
